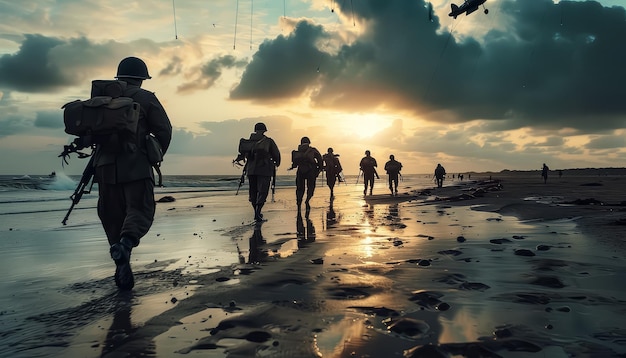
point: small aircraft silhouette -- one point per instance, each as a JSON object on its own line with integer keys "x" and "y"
{"x": 468, "y": 7}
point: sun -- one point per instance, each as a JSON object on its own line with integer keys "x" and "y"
{"x": 363, "y": 125}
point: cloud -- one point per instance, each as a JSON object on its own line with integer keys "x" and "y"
{"x": 30, "y": 70}
{"x": 210, "y": 72}
{"x": 551, "y": 141}
{"x": 49, "y": 119}
{"x": 284, "y": 67}
{"x": 222, "y": 138}
{"x": 13, "y": 124}
{"x": 607, "y": 142}
{"x": 554, "y": 66}
{"x": 174, "y": 67}
{"x": 46, "y": 64}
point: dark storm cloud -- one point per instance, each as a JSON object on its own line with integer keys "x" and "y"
{"x": 554, "y": 66}
{"x": 44, "y": 64}
{"x": 30, "y": 69}
{"x": 283, "y": 67}
{"x": 211, "y": 72}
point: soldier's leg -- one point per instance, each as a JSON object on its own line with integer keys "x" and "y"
{"x": 111, "y": 210}
{"x": 300, "y": 185}
{"x": 263, "y": 187}
{"x": 140, "y": 208}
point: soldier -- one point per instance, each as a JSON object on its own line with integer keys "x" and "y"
{"x": 124, "y": 174}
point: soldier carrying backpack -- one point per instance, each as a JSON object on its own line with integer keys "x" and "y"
{"x": 393, "y": 168}
{"x": 261, "y": 156}
{"x": 130, "y": 131}
{"x": 309, "y": 162}
{"x": 333, "y": 169}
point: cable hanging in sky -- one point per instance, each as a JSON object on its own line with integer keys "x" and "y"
{"x": 236, "y": 17}
{"x": 175, "y": 28}
{"x": 251, "y": 12}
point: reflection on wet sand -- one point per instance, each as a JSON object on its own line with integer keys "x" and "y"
{"x": 304, "y": 233}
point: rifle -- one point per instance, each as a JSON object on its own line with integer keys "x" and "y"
{"x": 243, "y": 174}
{"x": 80, "y": 189}
{"x": 273, "y": 182}
{"x": 357, "y": 178}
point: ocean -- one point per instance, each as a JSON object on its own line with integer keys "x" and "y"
{"x": 36, "y": 193}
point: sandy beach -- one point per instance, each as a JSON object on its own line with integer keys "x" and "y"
{"x": 501, "y": 265}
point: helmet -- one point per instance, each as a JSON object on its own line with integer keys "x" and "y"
{"x": 133, "y": 67}
{"x": 367, "y": 152}
{"x": 305, "y": 140}
{"x": 260, "y": 127}
{"x": 330, "y": 150}
{"x": 392, "y": 157}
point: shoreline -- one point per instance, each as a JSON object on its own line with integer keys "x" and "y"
{"x": 439, "y": 270}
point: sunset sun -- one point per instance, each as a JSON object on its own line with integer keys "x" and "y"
{"x": 364, "y": 125}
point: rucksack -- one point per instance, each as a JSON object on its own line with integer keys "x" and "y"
{"x": 105, "y": 113}
{"x": 299, "y": 157}
{"x": 255, "y": 149}
{"x": 394, "y": 167}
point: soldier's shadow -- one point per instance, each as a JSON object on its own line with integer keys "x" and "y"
{"x": 305, "y": 230}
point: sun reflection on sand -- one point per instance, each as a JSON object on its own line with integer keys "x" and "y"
{"x": 366, "y": 249}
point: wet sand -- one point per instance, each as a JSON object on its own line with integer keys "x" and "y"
{"x": 500, "y": 267}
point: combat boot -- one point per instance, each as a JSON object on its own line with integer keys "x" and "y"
{"x": 120, "y": 253}
{"x": 258, "y": 217}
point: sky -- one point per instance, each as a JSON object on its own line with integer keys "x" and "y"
{"x": 531, "y": 82}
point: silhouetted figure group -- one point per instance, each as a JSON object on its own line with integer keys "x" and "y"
{"x": 261, "y": 157}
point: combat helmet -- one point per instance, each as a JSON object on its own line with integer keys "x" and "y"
{"x": 133, "y": 67}
{"x": 260, "y": 127}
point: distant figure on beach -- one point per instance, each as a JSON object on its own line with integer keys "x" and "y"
{"x": 261, "y": 157}
{"x": 125, "y": 178}
{"x": 544, "y": 173}
{"x": 393, "y": 167}
{"x": 440, "y": 175}
{"x": 368, "y": 167}
{"x": 309, "y": 162}
{"x": 560, "y": 173}
{"x": 332, "y": 166}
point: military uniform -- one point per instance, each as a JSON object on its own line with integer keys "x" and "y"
{"x": 125, "y": 176}
{"x": 260, "y": 169}
{"x": 368, "y": 166}
{"x": 124, "y": 173}
{"x": 308, "y": 169}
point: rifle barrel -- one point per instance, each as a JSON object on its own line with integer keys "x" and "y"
{"x": 80, "y": 188}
